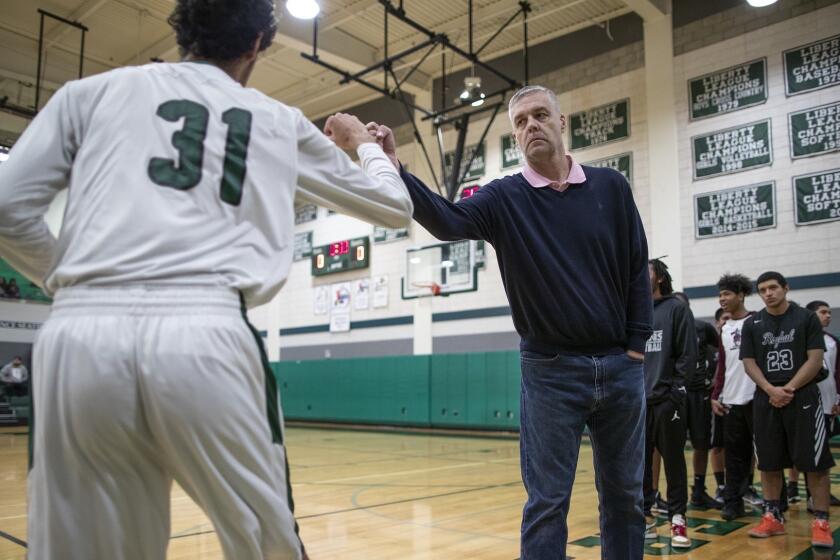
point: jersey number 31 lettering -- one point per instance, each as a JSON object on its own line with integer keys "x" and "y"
{"x": 185, "y": 173}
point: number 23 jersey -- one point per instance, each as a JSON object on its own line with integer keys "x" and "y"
{"x": 779, "y": 343}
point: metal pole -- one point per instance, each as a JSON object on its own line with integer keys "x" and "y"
{"x": 470, "y": 25}
{"x": 525, "y": 40}
{"x": 386, "y": 65}
{"x": 40, "y": 52}
{"x": 82, "y": 54}
{"x": 315, "y": 37}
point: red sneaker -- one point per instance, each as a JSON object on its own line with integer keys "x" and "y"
{"x": 769, "y": 527}
{"x": 679, "y": 536}
{"x": 821, "y": 534}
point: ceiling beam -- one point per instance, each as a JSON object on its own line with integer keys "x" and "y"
{"x": 341, "y": 49}
{"x": 649, "y": 10}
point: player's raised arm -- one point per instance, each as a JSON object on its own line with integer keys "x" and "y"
{"x": 37, "y": 169}
{"x": 374, "y": 193}
{"x": 470, "y": 218}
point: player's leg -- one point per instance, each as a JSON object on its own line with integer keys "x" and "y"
{"x": 739, "y": 450}
{"x": 772, "y": 451}
{"x": 699, "y": 418}
{"x": 670, "y": 440}
{"x": 617, "y": 430}
{"x": 96, "y": 488}
{"x": 648, "y": 487}
{"x": 213, "y": 408}
{"x": 718, "y": 456}
{"x": 556, "y": 398}
{"x": 811, "y": 454}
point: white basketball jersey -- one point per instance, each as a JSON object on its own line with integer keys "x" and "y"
{"x": 738, "y": 387}
{"x": 178, "y": 175}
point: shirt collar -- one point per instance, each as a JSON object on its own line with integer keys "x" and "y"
{"x": 575, "y": 177}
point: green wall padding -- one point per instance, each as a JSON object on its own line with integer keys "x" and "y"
{"x": 477, "y": 390}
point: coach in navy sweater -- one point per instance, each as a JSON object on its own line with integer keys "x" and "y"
{"x": 573, "y": 257}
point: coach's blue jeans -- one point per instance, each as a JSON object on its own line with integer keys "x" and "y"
{"x": 561, "y": 395}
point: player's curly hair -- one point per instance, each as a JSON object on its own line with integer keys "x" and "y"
{"x": 660, "y": 270}
{"x": 222, "y": 29}
{"x": 737, "y": 283}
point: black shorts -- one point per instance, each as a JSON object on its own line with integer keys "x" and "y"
{"x": 698, "y": 405}
{"x": 793, "y": 436}
{"x": 717, "y": 430}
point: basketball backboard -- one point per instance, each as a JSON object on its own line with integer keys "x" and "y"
{"x": 440, "y": 269}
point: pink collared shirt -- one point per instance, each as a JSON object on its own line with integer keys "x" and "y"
{"x": 576, "y": 176}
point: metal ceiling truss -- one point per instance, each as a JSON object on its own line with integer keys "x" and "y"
{"x": 457, "y": 114}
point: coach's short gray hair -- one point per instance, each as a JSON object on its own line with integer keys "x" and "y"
{"x": 530, "y": 90}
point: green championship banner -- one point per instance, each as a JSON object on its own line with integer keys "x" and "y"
{"x": 738, "y": 210}
{"x": 728, "y": 90}
{"x": 732, "y": 150}
{"x": 387, "y": 235}
{"x": 477, "y": 166}
{"x": 817, "y": 197}
{"x": 814, "y": 131}
{"x": 511, "y": 154}
{"x": 812, "y": 66}
{"x": 601, "y": 125}
{"x": 14, "y": 285}
{"x": 623, "y": 163}
{"x": 305, "y": 213}
{"x": 303, "y": 245}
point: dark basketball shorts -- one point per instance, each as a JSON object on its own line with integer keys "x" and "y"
{"x": 699, "y": 413}
{"x": 793, "y": 436}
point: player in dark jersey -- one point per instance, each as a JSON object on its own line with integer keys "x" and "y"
{"x": 670, "y": 359}
{"x": 699, "y": 407}
{"x": 782, "y": 351}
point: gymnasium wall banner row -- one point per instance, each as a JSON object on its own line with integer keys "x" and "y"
{"x": 811, "y": 132}
{"x": 744, "y": 209}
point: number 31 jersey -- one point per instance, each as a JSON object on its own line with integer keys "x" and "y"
{"x": 779, "y": 343}
{"x": 178, "y": 175}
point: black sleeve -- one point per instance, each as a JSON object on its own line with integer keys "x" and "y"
{"x": 639, "y": 301}
{"x": 685, "y": 347}
{"x": 814, "y": 333}
{"x": 747, "y": 343}
{"x": 469, "y": 218}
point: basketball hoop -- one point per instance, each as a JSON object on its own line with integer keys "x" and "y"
{"x": 433, "y": 287}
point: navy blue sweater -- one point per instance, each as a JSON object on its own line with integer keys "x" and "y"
{"x": 574, "y": 264}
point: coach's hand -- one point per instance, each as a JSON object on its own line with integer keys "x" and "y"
{"x": 385, "y": 137}
{"x": 718, "y": 408}
{"x": 347, "y": 131}
{"x": 779, "y": 396}
{"x": 638, "y": 356}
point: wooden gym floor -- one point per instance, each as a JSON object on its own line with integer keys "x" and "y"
{"x": 371, "y": 495}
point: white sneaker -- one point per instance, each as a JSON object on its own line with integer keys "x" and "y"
{"x": 650, "y": 530}
{"x": 679, "y": 532}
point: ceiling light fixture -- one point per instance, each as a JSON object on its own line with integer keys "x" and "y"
{"x": 472, "y": 93}
{"x": 760, "y": 3}
{"x": 303, "y": 9}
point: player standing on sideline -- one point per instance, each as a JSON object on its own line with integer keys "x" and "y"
{"x": 573, "y": 257}
{"x": 782, "y": 350}
{"x": 828, "y": 393}
{"x": 179, "y": 216}
{"x": 670, "y": 360}
{"x": 732, "y": 395}
{"x": 699, "y": 407}
{"x": 717, "y": 457}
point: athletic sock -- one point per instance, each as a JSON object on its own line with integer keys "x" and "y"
{"x": 720, "y": 478}
{"x": 774, "y": 507}
{"x": 822, "y": 515}
{"x": 699, "y": 483}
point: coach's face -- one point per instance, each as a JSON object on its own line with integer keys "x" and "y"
{"x": 538, "y": 127}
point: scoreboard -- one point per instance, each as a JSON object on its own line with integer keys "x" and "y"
{"x": 341, "y": 256}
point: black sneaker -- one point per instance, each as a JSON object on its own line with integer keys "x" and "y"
{"x": 752, "y": 498}
{"x": 733, "y": 510}
{"x": 660, "y": 506}
{"x": 793, "y": 493}
{"x": 703, "y": 500}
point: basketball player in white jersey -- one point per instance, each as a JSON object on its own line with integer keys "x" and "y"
{"x": 179, "y": 216}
